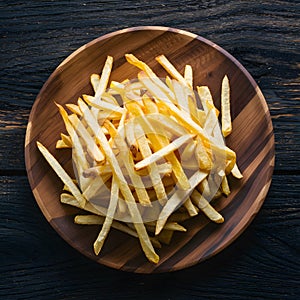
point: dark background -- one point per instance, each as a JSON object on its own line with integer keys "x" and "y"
{"x": 35, "y": 263}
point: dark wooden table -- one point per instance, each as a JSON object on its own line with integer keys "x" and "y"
{"x": 36, "y": 263}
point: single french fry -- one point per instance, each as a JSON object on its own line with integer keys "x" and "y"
{"x": 202, "y": 156}
{"x": 95, "y": 79}
{"x": 74, "y": 138}
{"x": 89, "y": 219}
{"x": 225, "y": 107}
{"x": 74, "y": 109}
{"x": 205, "y": 97}
{"x": 191, "y": 209}
{"x": 103, "y": 105}
{"x": 166, "y": 64}
{"x": 236, "y": 172}
{"x": 109, "y": 217}
{"x": 225, "y": 186}
{"x": 60, "y": 144}
{"x": 103, "y": 79}
{"x": 92, "y": 208}
{"x": 163, "y": 151}
{"x": 188, "y": 75}
{"x": 206, "y": 208}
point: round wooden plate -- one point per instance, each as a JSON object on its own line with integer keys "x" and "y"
{"x": 252, "y": 138}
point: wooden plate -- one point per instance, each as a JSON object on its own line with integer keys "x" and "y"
{"x": 252, "y": 139}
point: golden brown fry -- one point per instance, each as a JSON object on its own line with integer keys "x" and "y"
{"x": 205, "y": 207}
{"x": 74, "y": 109}
{"x": 60, "y": 144}
{"x": 166, "y": 64}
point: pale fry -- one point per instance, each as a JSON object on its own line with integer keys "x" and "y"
{"x": 205, "y": 97}
{"x": 95, "y": 79}
{"x": 188, "y": 75}
{"x": 114, "y": 197}
{"x": 71, "y": 200}
{"x": 225, "y": 105}
{"x": 163, "y": 151}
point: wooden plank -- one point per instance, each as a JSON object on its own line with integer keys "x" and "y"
{"x": 253, "y": 41}
{"x": 36, "y": 262}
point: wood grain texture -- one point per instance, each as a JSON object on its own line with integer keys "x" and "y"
{"x": 262, "y": 35}
{"x": 247, "y": 30}
{"x": 35, "y": 262}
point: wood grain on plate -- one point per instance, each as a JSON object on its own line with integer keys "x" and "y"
{"x": 252, "y": 139}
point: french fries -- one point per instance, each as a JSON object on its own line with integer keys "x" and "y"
{"x": 145, "y": 156}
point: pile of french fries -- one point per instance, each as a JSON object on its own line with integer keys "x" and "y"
{"x": 147, "y": 153}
